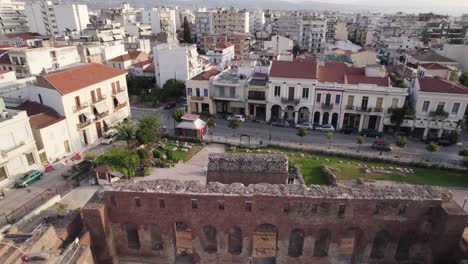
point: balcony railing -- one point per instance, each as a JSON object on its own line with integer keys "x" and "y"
{"x": 80, "y": 107}
{"x": 327, "y": 106}
{"x": 364, "y": 109}
{"x": 102, "y": 98}
{"x": 439, "y": 114}
{"x": 120, "y": 106}
{"x": 196, "y": 98}
{"x": 102, "y": 115}
{"x": 350, "y": 107}
{"x": 378, "y": 109}
{"x": 82, "y": 125}
{"x": 116, "y": 92}
{"x": 256, "y": 98}
{"x": 286, "y": 100}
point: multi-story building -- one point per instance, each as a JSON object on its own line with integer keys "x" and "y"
{"x": 312, "y": 34}
{"x": 230, "y": 21}
{"x": 256, "y": 96}
{"x": 96, "y": 52}
{"x": 278, "y": 44}
{"x": 18, "y": 152}
{"x": 13, "y": 17}
{"x": 228, "y": 92}
{"x": 162, "y": 20}
{"x": 137, "y": 44}
{"x": 177, "y": 61}
{"x": 124, "y": 62}
{"x": 256, "y": 21}
{"x": 241, "y": 45}
{"x": 221, "y": 55}
{"x": 32, "y": 40}
{"x": 458, "y": 53}
{"x": 51, "y": 18}
{"x": 199, "y": 93}
{"x": 203, "y": 26}
{"x": 434, "y": 70}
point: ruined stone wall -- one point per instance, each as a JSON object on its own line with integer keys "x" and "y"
{"x": 323, "y": 225}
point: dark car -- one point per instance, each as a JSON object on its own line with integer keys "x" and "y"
{"x": 381, "y": 145}
{"x": 77, "y": 169}
{"x": 444, "y": 142}
{"x": 280, "y": 123}
{"x": 170, "y": 105}
{"x": 347, "y": 130}
{"x": 372, "y": 133}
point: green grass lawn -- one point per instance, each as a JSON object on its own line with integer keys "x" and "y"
{"x": 184, "y": 156}
{"x": 312, "y": 172}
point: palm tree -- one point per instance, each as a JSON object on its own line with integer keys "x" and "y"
{"x": 360, "y": 141}
{"x": 329, "y": 138}
{"x": 127, "y": 131}
{"x": 302, "y": 132}
{"x": 401, "y": 142}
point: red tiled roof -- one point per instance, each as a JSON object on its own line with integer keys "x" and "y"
{"x": 362, "y": 79}
{"x": 433, "y": 66}
{"x": 332, "y": 72}
{"x": 74, "y": 79}
{"x": 40, "y": 115}
{"x": 24, "y": 36}
{"x": 338, "y": 72}
{"x": 204, "y": 76}
{"x": 142, "y": 63}
{"x": 5, "y": 46}
{"x": 437, "y": 85}
{"x": 4, "y": 71}
{"x": 150, "y": 68}
{"x": 190, "y": 117}
{"x": 224, "y": 45}
{"x": 303, "y": 69}
{"x": 126, "y": 57}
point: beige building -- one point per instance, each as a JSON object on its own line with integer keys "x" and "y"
{"x": 229, "y": 21}
{"x": 198, "y": 93}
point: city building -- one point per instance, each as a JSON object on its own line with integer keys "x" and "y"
{"x": 312, "y": 34}
{"x": 13, "y": 17}
{"x": 256, "y": 21}
{"x": 162, "y": 20}
{"x": 256, "y": 100}
{"x": 18, "y": 152}
{"x": 228, "y": 91}
{"x": 221, "y": 55}
{"x": 124, "y": 62}
{"x": 229, "y": 21}
{"x": 96, "y": 52}
{"x": 32, "y": 40}
{"x": 199, "y": 93}
{"x": 177, "y": 61}
{"x": 458, "y": 53}
{"x": 51, "y": 18}
{"x": 202, "y": 26}
{"x": 143, "y": 68}
{"x": 431, "y": 57}
{"x": 137, "y": 44}
{"x": 278, "y": 44}
{"x": 434, "y": 70}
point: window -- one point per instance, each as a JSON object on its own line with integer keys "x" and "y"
{"x": 235, "y": 240}
{"x": 232, "y": 92}
{"x": 394, "y": 103}
{"x": 364, "y": 102}
{"x": 205, "y": 92}
{"x": 341, "y": 210}
{"x": 162, "y": 203}
{"x": 194, "y": 204}
{"x": 77, "y": 102}
{"x": 30, "y": 158}
{"x": 40, "y": 99}
{"x": 322, "y": 242}
{"x": 350, "y": 100}
{"x": 319, "y": 98}
{"x": 296, "y": 243}
{"x": 305, "y": 92}
{"x": 93, "y": 96}
{"x": 221, "y": 91}
{"x": 277, "y": 90}
{"x": 337, "y": 99}
{"x": 189, "y": 91}
{"x": 455, "y": 108}
{"x": 197, "y": 91}
{"x": 221, "y": 205}
{"x": 137, "y": 201}
{"x": 440, "y": 107}
{"x": 425, "y": 106}
{"x": 248, "y": 206}
{"x": 3, "y": 173}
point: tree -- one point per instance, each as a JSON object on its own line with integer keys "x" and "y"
{"x": 464, "y": 78}
{"x": 399, "y": 114}
{"x": 401, "y": 142}
{"x": 329, "y": 138}
{"x": 187, "y": 31}
{"x": 432, "y": 147}
{"x": 360, "y": 141}
{"x": 302, "y": 132}
{"x": 122, "y": 160}
{"x": 211, "y": 122}
{"x": 296, "y": 49}
{"x": 144, "y": 155}
{"x": 177, "y": 114}
{"x": 172, "y": 89}
{"x": 234, "y": 124}
{"x": 127, "y": 131}
{"x": 463, "y": 152}
{"x": 149, "y": 130}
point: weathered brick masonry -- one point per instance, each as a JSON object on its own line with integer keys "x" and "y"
{"x": 169, "y": 221}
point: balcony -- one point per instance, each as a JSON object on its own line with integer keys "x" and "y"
{"x": 118, "y": 91}
{"x": 436, "y": 124}
{"x": 350, "y": 107}
{"x": 196, "y": 98}
{"x": 420, "y": 123}
{"x": 82, "y": 125}
{"x": 98, "y": 100}
{"x": 439, "y": 114}
{"x": 450, "y": 125}
{"x": 120, "y": 106}
{"x": 377, "y": 109}
{"x": 407, "y": 123}
{"x": 327, "y": 106}
{"x": 78, "y": 108}
{"x": 286, "y": 100}
{"x": 364, "y": 109}
{"x": 4, "y": 153}
{"x": 102, "y": 115}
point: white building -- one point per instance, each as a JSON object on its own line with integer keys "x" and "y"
{"x": 312, "y": 34}
{"x": 53, "y": 19}
{"x": 13, "y": 17}
{"x": 161, "y": 20}
{"x": 256, "y": 21}
{"x": 278, "y": 45}
{"x": 458, "y": 53}
{"x": 434, "y": 70}
{"x": 177, "y": 61}
{"x": 229, "y": 21}
{"x": 18, "y": 152}
{"x": 21, "y": 40}
{"x": 137, "y": 44}
{"x": 203, "y": 25}
{"x": 221, "y": 55}
{"x": 27, "y": 62}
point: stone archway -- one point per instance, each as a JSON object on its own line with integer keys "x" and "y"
{"x": 325, "y": 118}
{"x": 275, "y": 112}
{"x": 304, "y": 115}
{"x": 334, "y": 120}
{"x": 316, "y": 118}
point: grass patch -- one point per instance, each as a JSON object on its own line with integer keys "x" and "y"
{"x": 184, "y": 156}
{"x": 312, "y": 173}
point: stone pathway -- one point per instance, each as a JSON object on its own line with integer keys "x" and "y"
{"x": 191, "y": 170}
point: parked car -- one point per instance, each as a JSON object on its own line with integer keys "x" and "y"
{"x": 78, "y": 169}
{"x": 381, "y": 145}
{"x": 236, "y": 117}
{"x": 444, "y": 142}
{"x": 372, "y": 133}
{"x": 28, "y": 178}
{"x": 347, "y": 130}
{"x": 307, "y": 126}
{"x": 109, "y": 138}
{"x": 325, "y": 128}
{"x": 170, "y": 105}
{"x": 280, "y": 123}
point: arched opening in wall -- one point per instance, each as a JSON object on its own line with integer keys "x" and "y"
{"x": 407, "y": 240}
{"x": 289, "y": 113}
{"x": 304, "y": 114}
{"x": 325, "y": 119}
{"x": 265, "y": 244}
{"x": 322, "y": 242}
{"x": 348, "y": 243}
{"x": 316, "y": 118}
{"x": 133, "y": 239}
{"x": 235, "y": 240}
{"x": 183, "y": 237}
{"x": 296, "y": 243}
{"x": 334, "y": 120}
{"x": 275, "y": 112}
{"x": 210, "y": 243}
{"x": 156, "y": 239}
{"x": 379, "y": 246}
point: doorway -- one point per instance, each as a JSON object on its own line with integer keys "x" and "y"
{"x": 372, "y": 122}
{"x": 85, "y": 137}
{"x": 99, "y": 129}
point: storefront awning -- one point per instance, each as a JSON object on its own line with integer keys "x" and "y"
{"x": 101, "y": 107}
{"x": 237, "y": 104}
{"x": 121, "y": 98}
{"x": 89, "y": 116}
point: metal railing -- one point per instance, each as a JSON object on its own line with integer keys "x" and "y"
{"x": 439, "y": 114}
{"x": 80, "y": 107}
{"x": 120, "y": 106}
{"x": 286, "y": 100}
{"x": 350, "y": 107}
{"x": 327, "y": 106}
{"x": 364, "y": 109}
{"x": 99, "y": 99}
{"x": 83, "y": 124}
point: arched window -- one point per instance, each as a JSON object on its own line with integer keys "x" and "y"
{"x": 322, "y": 241}
{"x": 235, "y": 240}
{"x": 380, "y": 245}
{"x": 296, "y": 243}
{"x": 209, "y": 233}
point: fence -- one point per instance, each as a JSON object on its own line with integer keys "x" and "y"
{"x": 26, "y": 208}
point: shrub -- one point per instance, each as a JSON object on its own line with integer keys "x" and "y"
{"x": 464, "y": 162}
{"x": 463, "y": 152}
{"x": 146, "y": 171}
{"x": 170, "y": 155}
{"x": 157, "y": 154}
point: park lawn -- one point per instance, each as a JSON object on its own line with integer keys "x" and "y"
{"x": 312, "y": 172}
{"x": 184, "y": 156}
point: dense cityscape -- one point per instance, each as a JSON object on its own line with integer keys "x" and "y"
{"x": 209, "y": 132}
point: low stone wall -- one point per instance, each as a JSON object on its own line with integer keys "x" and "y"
{"x": 329, "y": 176}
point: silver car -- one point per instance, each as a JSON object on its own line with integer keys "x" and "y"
{"x": 307, "y": 126}
{"x": 325, "y": 128}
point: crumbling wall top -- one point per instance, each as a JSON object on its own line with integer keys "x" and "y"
{"x": 267, "y": 163}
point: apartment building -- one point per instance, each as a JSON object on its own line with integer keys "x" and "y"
{"x": 124, "y": 62}
{"x": 162, "y": 20}
{"x": 28, "y": 62}
{"x": 256, "y": 21}
{"x": 458, "y": 53}
{"x": 256, "y": 96}
{"x": 203, "y": 26}
{"x": 199, "y": 93}
{"x": 12, "y": 17}
{"x": 312, "y": 34}
{"x": 51, "y": 18}
{"x": 19, "y": 40}
{"x": 278, "y": 44}
{"x": 221, "y": 55}
{"x": 230, "y": 21}
{"x": 177, "y": 61}
{"x": 96, "y": 52}
{"x": 228, "y": 92}
{"x": 434, "y": 70}
{"x": 18, "y": 152}
{"x": 137, "y": 44}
